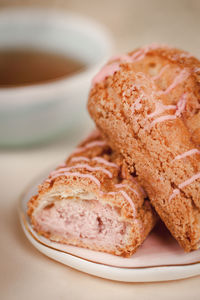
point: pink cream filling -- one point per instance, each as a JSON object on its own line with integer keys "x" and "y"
{"x": 84, "y": 220}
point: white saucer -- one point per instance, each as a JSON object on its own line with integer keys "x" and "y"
{"x": 159, "y": 259}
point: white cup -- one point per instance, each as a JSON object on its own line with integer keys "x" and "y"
{"x": 37, "y": 113}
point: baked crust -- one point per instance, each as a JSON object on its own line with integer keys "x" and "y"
{"x": 94, "y": 171}
{"x": 151, "y": 116}
{"x": 162, "y": 65}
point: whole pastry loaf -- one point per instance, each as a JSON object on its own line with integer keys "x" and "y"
{"x": 92, "y": 201}
{"x": 146, "y": 104}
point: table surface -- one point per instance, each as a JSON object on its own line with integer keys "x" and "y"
{"x": 26, "y": 273}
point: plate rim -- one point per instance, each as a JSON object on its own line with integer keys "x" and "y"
{"x": 158, "y": 270}
{"x": 138, "y": 274}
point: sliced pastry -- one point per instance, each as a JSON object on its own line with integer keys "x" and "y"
{"x": 92, "y": 201}
{"x": 147, "y": 106}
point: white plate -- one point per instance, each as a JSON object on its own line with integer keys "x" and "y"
{"x": 160, "y": 258}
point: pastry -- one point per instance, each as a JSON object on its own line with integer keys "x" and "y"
{"x": 176, "y": 75}
{"x": 146, "y": 105}
{"x": 92, "y": 201}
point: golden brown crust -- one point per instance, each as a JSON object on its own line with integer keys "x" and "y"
{"x": 162, "y": 65}
{"x": 122, "y": 106}
{"x": 109, "y": 169}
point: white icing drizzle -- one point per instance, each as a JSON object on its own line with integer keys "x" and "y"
{"x": 79, "y": 158}
{"x": 174, "y": 193}
{"x": 181, "y": 105}
{"x": 184, "y": 184}
{"x": 136, "y": 56}
{"x": 84, "y": 166}
{"x": 61, "y": 165}
{"x": 119, "y": 185}
{"x": 105, "y": 162}
{"x": 121, "y": 57}
{"x": 160, "y": 108}
{"x": 178, "y": 79}
{"x": 196, "y": 69}
{"x": 160, "y": 73}
{"x": 106, "y": 70}
{"x": 190, "y": 180}
{"x": 63, "y": 170}
{"x": 126, "y": 196}
{"x": 113, "y": 66}
{"x": 97, "y": 182}
{"x": 97, "y": 159}
{"x": 139, "y": 186}
{"x": 89, "y": 145}
{"x": 187, "y": 153}
{"x": 67, "y": 172}
{"x": 141, "y": 53}
{"x": 162, "y": 119}
{"x": 78, "y": 174}
{"x": 186, "y": 54}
